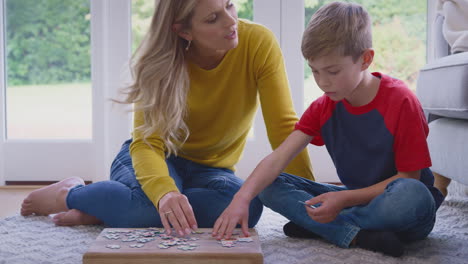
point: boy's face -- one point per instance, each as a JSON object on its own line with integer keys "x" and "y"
{"x": 337, "y": 76}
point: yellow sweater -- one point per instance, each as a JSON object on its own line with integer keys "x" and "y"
{"x": 222, "y": 103}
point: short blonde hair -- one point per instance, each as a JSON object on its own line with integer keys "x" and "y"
{"x": 337, "y": 26}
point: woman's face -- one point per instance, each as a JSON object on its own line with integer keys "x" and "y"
{"x": 214, "y": 26}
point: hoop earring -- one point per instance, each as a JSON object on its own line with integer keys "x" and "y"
{"x": 188, "y": 45}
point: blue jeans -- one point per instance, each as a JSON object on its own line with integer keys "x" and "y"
{"x": 121, "y": 202}
{"x": 406, "y": 207}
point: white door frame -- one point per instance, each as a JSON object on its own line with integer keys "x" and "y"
{"x": 52, "y": 160}
{"x": 111, "y": 52}
{"x": 2, "y": 92}
{"x": 268, "y": 13}
{"x": 286, "y": 19}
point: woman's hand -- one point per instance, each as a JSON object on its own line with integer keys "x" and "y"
{"x": 176, "y": 211}
{"x": 236, "y": 213}
{"x": 331, "y": 205}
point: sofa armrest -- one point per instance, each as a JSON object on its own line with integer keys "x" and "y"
{"x": 442, "y": 86}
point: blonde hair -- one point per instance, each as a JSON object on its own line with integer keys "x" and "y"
{"x": 161, "y": 81}
{"x": 345, "y": 27}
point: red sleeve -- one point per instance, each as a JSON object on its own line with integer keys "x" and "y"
{"x": 410, "y": 145}
{"x": 313, "y": 119}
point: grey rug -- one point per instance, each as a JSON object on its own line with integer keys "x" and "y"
{"x": 35, "y": 239}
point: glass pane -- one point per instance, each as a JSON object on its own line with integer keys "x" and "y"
{"x": 244, "y": 8}
{"x": 48, "y": 69}
{"x": 399, "y": 39}
{"x": 142, "y": 10}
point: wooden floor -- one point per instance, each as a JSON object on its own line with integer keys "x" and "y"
{"x": 11, "y": 198}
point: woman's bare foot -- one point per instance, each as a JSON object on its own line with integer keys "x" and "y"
{"x": 75, "y": 217}
{"x": 49, "y": 199}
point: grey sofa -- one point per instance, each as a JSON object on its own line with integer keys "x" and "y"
{"x": 442, "y": 88}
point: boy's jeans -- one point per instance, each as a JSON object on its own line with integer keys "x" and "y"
{"x": 121, "y": 202}
{"x": 405, "y": 207}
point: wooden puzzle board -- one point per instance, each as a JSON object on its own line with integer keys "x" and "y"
{"x": 110, "y": 247}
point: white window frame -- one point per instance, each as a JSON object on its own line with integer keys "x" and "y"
{"x": 265, "y": 12}
{"x": 2, "y": 94}
{"x": 286, "y": 19}
{"x": 52, "y": 160}
{"x": 111, "y": 55}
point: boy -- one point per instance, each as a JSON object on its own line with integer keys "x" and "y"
{"x": 375, "y": 132}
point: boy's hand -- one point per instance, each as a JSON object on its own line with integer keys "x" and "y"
{"x": 331, "y": 205}
{"x": 236, "y": 213}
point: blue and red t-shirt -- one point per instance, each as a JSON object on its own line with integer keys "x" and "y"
{"x": 371, "y": 143}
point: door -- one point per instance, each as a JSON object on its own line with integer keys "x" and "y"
{"x": 61, "y": 63}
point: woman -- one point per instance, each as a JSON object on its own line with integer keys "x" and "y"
{"x": 198, "y": 76}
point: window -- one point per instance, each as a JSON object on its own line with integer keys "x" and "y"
{"x": 86, "y": 130}
{"x": 60, "y": 62}
{"x": 48, "y": 69}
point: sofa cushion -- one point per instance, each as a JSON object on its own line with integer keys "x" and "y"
{"x": 448, "y": 141}
{"x": 442, "y": 86}
{"x": 441, "y": 47}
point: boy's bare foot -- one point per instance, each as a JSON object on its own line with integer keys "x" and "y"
{"x": 50, "y": 199}
{"x": 75, "y": 217}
